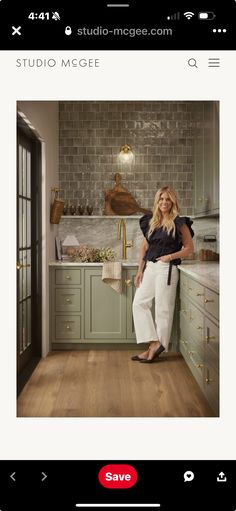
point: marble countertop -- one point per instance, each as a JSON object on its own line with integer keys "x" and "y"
{"x": 206, "y": 273}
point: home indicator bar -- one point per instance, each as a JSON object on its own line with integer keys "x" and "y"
{"x": 119, "y": 505}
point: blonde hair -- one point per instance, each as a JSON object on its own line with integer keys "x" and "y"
{"x": 167, "y": 221}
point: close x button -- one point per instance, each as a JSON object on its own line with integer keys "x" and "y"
{"x": 118, "y": 476}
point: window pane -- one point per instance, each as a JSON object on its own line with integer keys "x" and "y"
{"x": 24, "y": 325}
{"x": 28, "y": 223}
{"x": 28, "y": 321}
{"x": 24, "y": 275}
{"x": 20, "y": 170}
{"x": 24, "y": 223}
{"x": 20, "y": 228}
{"x": 28, "y": 174}
{"x": 29, "y": 273}
{"x": 24, "y": 176}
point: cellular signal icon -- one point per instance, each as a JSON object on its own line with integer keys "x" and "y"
{"x": 56, "y": 16}
{"x": 188, "y": 15}
{"x": 175, "y": 16}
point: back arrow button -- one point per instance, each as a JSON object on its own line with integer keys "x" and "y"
{"x": 12, "y": 476}
{"x": 44, "y": 476}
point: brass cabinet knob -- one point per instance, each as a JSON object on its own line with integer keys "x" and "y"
{"x": 128, "y": 282}
{"x": 208, "y": 301}
{"x": 20, "y": 265}
{"x": 67, "y": 327}
{"x": 200, "y": 294}
{"x": 68, "y": 300}
{"x": 68, "y": 277}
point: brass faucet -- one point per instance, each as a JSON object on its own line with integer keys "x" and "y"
{"x": 125, "y": 245}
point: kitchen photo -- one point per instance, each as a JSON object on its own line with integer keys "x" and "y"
{"x": 118, "y": 258}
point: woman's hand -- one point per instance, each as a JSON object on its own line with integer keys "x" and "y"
{"x": 165, "y": 258}
{"x": 138, "y": 278}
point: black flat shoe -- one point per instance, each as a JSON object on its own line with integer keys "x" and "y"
{"x": 137, "y": 358}
{"x": 156, "y": 355}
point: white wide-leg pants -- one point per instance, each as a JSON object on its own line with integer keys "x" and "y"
{"x": 154, "y": 285}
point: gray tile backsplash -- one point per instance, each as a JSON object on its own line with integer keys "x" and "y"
{"x": 161, "y": 134}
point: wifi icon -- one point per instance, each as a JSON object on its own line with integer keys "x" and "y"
{"x": 188, "y": 15}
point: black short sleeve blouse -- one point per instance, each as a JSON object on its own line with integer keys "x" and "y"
{"x": 160, "y": 242}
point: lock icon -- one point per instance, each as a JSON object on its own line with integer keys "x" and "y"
{"x": 68, "y": 30}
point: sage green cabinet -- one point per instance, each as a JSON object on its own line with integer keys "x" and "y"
{"x": 66, "y": 305}
{"x": 206, "y": 160}
{"x": 199, "y": 335}
{"x": 83, "y": 309}
{"x": 105, "y": 317}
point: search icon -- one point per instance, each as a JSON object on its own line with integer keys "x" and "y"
{"x": 192, "y": 62}
{"x": 188, "y": 476}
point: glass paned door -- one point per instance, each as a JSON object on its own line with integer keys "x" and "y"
{"x": 24, "y": 249}
{"x": 28, "y": 260}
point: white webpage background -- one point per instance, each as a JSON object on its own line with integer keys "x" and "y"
{"x": 137, "y": 75}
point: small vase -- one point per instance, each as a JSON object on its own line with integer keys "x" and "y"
{"x": 72, "y": 209}
{"x": 81, "y": 209}
{"x": 89, "y": 209}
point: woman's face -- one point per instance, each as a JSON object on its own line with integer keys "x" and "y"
{"x": 165, "y": 203}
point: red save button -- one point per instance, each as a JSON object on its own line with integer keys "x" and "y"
{"x": 117, "y": 476}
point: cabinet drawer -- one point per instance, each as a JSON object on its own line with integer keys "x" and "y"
{"x": 183, "y": 283}
{"x": 212, "y": 344}
{"x": 196, "y": 292}
{"x": 68, "y": 300}
{"x": 70, "y": 276}
{"x": 184, "y": 306}
{"x": 67, "y": 327}
{"x": 196, "y": 322}
{"x": 211, "y": 387}
{"x": 212, "y": 303}
{"x": 195, "y": 363}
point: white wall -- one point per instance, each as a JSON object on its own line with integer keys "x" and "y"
{"x": 43, "y": 115}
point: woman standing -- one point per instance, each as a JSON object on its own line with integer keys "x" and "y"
{"x": 168, "y": 239}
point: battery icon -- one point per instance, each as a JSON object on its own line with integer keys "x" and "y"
{"x": 208, "y": 15}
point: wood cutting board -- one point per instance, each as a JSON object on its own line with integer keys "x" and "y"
{"x": 119, "y": 201}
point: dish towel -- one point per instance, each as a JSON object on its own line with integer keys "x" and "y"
{"x": 112, "y": 274}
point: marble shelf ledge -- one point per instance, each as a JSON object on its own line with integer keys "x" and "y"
{"x": 72, "y": 263}
{"x": 64, "y": 217}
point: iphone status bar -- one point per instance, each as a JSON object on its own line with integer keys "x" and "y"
{"x": 116, "y": 25}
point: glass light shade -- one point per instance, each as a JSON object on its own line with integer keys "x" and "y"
{"x": 126, "y": 154}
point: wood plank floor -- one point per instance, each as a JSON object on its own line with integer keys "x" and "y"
{"x": 109, "y": 384}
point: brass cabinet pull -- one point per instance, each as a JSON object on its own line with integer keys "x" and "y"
{"x": 128, "y": 282}
{"x": 208, "y": 301}
{"x": 68, "y": 277}
{"x": 199, "y": 328}
{"x": 208, "y": 380}
{"x": 68, "y": 300}
{"x": 200, "y": 294}
{"x": 20, "y": 265}
{"x": 67, "y": 327}
{"x": 209, "y": 337}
